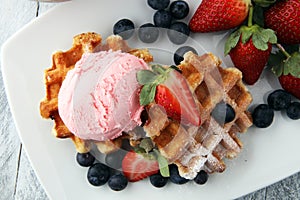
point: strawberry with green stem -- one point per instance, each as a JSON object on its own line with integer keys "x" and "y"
{"x": 288, "y": 71}
{"x": 168, "y": 88}
{"x": 249, "y": 48}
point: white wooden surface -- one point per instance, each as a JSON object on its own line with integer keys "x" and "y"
{"x": 17, "y": 178}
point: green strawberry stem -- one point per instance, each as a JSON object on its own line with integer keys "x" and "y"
{"x": 250, "y": 16}
{"x": 283, "y": 50}
{"x": 261, "y": 38}
{"x": 284, "y": 66}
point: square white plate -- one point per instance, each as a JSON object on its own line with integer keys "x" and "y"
{"x": 269, "y": 154}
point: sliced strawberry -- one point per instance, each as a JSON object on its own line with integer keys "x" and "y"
{"x": 166, "y": 99}
{"x": 177, "y": 99}
{"x": 169, "y": 88}
{"x": 136, "y": 167}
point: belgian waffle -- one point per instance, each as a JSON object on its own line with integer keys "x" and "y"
{"x": 62, "y": 62}
{"x": 195, "y": 148}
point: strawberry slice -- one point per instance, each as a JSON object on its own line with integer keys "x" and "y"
{"x": 136, "y": 167}
{"x": 169, "y": 88}
{"x": 177, "y": 99}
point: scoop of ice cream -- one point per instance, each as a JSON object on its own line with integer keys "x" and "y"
{"x": 99, "y": 97}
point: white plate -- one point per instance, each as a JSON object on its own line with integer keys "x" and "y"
{"x": 269, "y": 154}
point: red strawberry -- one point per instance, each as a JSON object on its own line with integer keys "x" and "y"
{"x": 291, "y": 84}
{"x": 169, "y": 89}
{"x": 284, "y": 18}
{"x": 287, "y": 67}
{"x": 250, "y": 60}
{"x": 136, "y": 167}
{"x": 218, "y": 15}
{"x": 249, "y": 48}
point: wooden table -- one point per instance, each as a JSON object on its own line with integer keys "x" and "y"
{"x": 17, "y": 178}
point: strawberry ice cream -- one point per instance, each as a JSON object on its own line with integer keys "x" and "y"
{"x": 99, "y": 97}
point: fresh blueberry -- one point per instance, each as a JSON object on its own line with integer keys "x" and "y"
{"x": 124, "y": 28}
{"x": 85, "y": 159}
{"x": 98, "y": 174}
{"x": 179, "y": 9}
{"x": 178, "y": 32}
{"x": 175, "y": 177}
{"x": 201, "y": 177}
{"x": 148, "y": 33}
{"x": 157, "y": 180}
{"x": 263, "y": 116}
{"x": 279, "y": 99}
{"x": 293, "y": 111}
{"x": 223, "y": 113}
{"x": 117, "y": 182}
{"x": 178, "y": 55}
{"x": 158, "y": 4}
{"x": 114, "y": 159}
{"x": 162, "y": 18}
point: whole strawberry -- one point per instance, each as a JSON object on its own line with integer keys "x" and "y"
{"x": 250, "y": 60}
{"x": 218, "y": 15}
{"x": 284, "y": 18}
{"x": 249, "y": 48}
{"x": 288, "y": 71}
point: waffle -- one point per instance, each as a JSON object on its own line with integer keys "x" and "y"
{"x": 62, "y": 62}
{"x": 194, "y": 148}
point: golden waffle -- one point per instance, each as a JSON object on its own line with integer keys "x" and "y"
{"x": 62, "y": 62}
{"x": 195, "y": 148}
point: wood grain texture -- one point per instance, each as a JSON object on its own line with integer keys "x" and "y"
{"x": 17, "y": 178}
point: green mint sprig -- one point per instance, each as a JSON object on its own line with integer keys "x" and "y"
{"x": 150, "y": 80}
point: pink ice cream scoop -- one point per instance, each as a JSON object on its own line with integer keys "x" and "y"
{"x": 99, "y": 97}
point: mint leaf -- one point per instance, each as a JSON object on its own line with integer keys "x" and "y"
{"x": 145, "y": 77}
{"x": 158, "y": 69}
{"x": 232, "y": 41}
{"x": 147, "y": 94}
{"x": 163, "y": 164}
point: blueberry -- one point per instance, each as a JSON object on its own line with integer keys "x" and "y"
{"x": 114, "y": 159}
{"x": 157, "y": 180}
{"x": 201, "y": 177}
{"x": 279, "y": 99}
{"x": 178, "y": 55}
{"x": 158, "y": 4}
{"x": 179, "y": 9}
{"x": 223, "y": 113}
{"x": 263, "y": 116}
{"x": 162, "y": 18}
{"x": 148, "y": 33}
{"x": 98, "y": 174}
{"x": 293, "y": 111}
{"x": 85, "y": 159}
{"x": 178, "y": 32}
{"x": 175, "y": 177}
{"x": 124, "y": 28}
{"x": 117, "y": 182}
